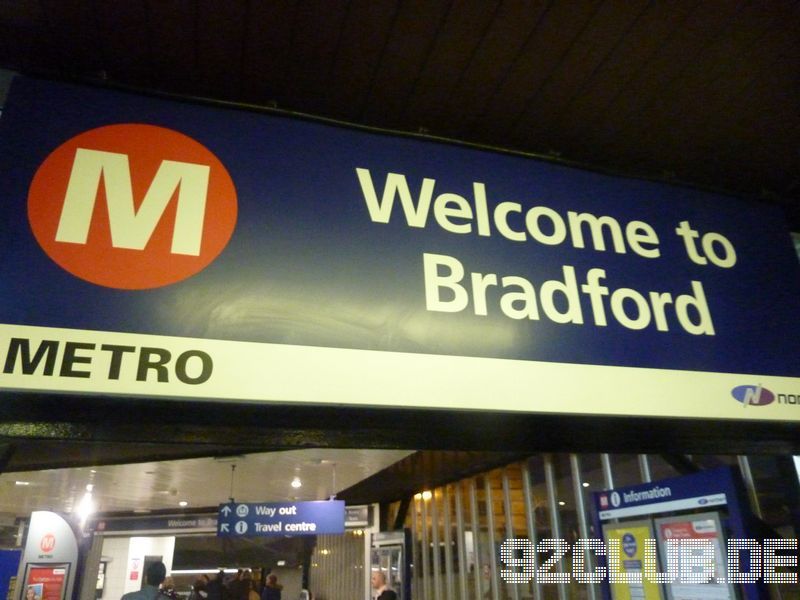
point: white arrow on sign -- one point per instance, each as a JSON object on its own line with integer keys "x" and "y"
{"x": 223, "y": 527}
{"x": 225, "y": 510}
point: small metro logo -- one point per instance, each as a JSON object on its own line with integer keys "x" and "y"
{"x": 132, "y": 206}
{"x": 48, "y": 543}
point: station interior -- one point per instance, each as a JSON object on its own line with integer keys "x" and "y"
{"x": 696, "y": 95}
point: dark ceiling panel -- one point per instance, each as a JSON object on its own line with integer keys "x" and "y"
{"x": 173, "y": 57}
{"x": 72, "y": 30}
{"x": 689, "y": 109}
{"x": 641, "y": 109}
{"x": 602, "y": 35}
{"x": 220, "y": 46}
{"x": 21, "y": 28}
{"x": 511, "y": 30}
{"x": 751, "y": 135}
{"x": 409, "y": 47}
{"x": 457, "y": 41}
{"x": 32, "y": 455}
{"x": 423, "y": 470}
{"x": 33, "y": 33}
{"x": 541, "y": 56}
{"x": 364, "y": 36}
{"x": 584, "y": 119}
{"x": 716, "y": 82}
{"x": 312, "y": 52}
{"x": 7, "y": 44}
{"x": 124, "y": 40}
{"x": 268, "y": 34}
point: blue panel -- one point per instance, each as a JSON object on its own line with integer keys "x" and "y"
{"x": 9, "y": 564}
{"x": 308, "y": 265}
{"x": 703, "y": 483}
{"x": 280, "y": 518}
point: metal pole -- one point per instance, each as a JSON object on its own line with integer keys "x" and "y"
{"x": 555, "y": 519}
{"x": 462, "y": 554}
{"x": 747, "y": 475}
{"x": 580, "y": 509}
{"x": 415, "y": 558}
{"x": 473, "y": 508}
{"x": 435, "y": 548}
{"x": 608, "y": 477}
{"x": 487, "y": 486}
{"x": 91, "y": 567}
{"x": 530, "y": 520}
{"x": 426, "y": 580}
{"x": 509, "y": 517}
{"x": 448, "y": 545}
{"x": 644, "y": 468}
{"x": 750, "y": 484}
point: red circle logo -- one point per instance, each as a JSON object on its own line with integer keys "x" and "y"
{"x": 48, "y": 543}
{"x": 132, "y": 206}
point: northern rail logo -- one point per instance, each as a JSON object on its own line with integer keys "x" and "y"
{"x": 753, "y": 395}
{"x": 132, "y": 206}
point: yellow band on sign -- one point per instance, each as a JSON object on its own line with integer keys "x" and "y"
{"x": 46, "y": 359}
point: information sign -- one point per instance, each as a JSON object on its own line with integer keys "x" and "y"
{"x": 676, "y": 503}
{"x": 280, "y": 518}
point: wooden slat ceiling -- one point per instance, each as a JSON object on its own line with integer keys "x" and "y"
{"x": 702, "y": 92}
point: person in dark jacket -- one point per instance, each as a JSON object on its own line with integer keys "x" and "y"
{"x": 272, "y": 589}
{"x": 378, "y": 580}
{"x": 154, "y": 577}
{"x": 214, "y": 587}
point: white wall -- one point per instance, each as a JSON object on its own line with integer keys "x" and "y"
{"x": 124, "y": 553}
{"x": 148, "y": 546}
{"x": 115, "y": 551}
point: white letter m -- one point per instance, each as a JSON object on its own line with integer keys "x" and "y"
{"x": 130, "y": 228}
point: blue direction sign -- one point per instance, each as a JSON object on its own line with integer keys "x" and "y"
{"x": 239, "y": 519}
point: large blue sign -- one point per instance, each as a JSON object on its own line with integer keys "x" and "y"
{"x": 155, "y": 247}
{"x": 238, "y": 519}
